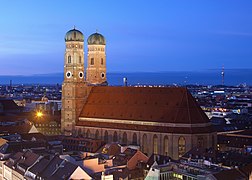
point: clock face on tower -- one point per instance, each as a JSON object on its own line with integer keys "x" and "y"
{"x": 68, "y": 74}
{"x": 81, "y": 74}
{"x": 102, "y": 75}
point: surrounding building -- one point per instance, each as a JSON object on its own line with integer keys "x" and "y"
{"x": 29, "y": 165}
{"x": 164, "y": 121}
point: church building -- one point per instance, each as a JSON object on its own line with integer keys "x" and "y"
{"x": 160, "y": 120}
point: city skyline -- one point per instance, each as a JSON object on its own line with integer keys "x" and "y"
{"x": 185, "y": 36}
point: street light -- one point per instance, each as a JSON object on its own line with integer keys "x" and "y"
{"x": 39, "y": 114}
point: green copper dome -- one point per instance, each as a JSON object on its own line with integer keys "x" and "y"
{"x": 96, "y": 39}
{"x": 74, "y": 35}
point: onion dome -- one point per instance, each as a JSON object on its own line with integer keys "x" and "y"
{"x": 96, "y": 39}
{"x": 74, "y": 35}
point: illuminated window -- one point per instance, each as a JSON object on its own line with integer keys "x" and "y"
{"x": 124, "y": 139}
{"x": 88, "y": 133}
{"x": 92, "y": 61}
{"x": 69, "y": 59}
{"x": 101, "y": 61}
{"x": 115, "y": 137}
{"x": 145, "y": 147}
{"x": 97, "y": 134}
{"x": 166, "y": 146}
{"x": 134, "y": 141}
{"x": 181, "y": 146}
{"x": 155, "y": 144}
{"x": 106, "y": 136}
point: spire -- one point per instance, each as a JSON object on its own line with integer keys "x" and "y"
{"x": 74, "y": 26}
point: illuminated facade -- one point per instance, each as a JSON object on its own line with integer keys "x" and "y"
{"x": 164, "y": 121}
{"x": 96, "y": 62}
{"x": 74, "y": 87}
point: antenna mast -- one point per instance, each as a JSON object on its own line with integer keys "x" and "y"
{"x": 222, "y": 75}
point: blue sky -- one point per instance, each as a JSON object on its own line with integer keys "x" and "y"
{"x": 142, "y": 36}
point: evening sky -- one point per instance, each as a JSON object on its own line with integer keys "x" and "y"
{"x": 141, "y": 35}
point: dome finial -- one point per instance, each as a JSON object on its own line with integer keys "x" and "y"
{"x": 74, "y": 26}
{"x": 96, "y": 30}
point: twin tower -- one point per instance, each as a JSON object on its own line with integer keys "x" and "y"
{"x": 78, "y": 80}
{"x": 74, "y": 58}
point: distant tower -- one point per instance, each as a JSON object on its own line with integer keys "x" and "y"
{"x": 10, "y": 86}
{"x": 125, "y": 81}
{"x": 96, "y": 64}
{"x": 73, "y": 87}
{"x": 222, "y": 75}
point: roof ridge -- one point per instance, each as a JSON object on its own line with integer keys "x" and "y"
{"x": 178, "y": 109}
{"x": 241, "y": 172}
{"x": 46, "y": 166}
{"x": 188, "y": 108}
{"x": 197, "y": 107}
{"x": 58, "y": 166}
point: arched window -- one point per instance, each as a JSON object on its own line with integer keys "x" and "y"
{"x": 69, "y": 59}
{"x": 92, "y": 61}
{"x": 97, "y": 134}
{"x": 106, "y": 136}
{"x": 134, "y": 140}
{"x": 79, "y": 132}
{"x": 144, "y": 142}
{"x": 80, "y": 59}
{"x": 155, "y": 144}
{"x": 101, "y": 61}
{"x": 124, "y": 139}
{"x": 200, "y": 142}
{"x": 115, "y": 137}
{"x": 181, "y": 146}
{"x": 166, "y": 146}
{"x": 88, "y": 133}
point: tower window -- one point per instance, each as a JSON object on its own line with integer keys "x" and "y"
{"x": 92, "y": 61}
{"x": 101, "y": 61}
{"x": 80, "y": 59}
{"x": 69, "y": 59}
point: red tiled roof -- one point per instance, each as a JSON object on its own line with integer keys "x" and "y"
{"x": 171, "y": 105}
{"x": 20, "y": 128}
{"x": 149, "y": 104}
